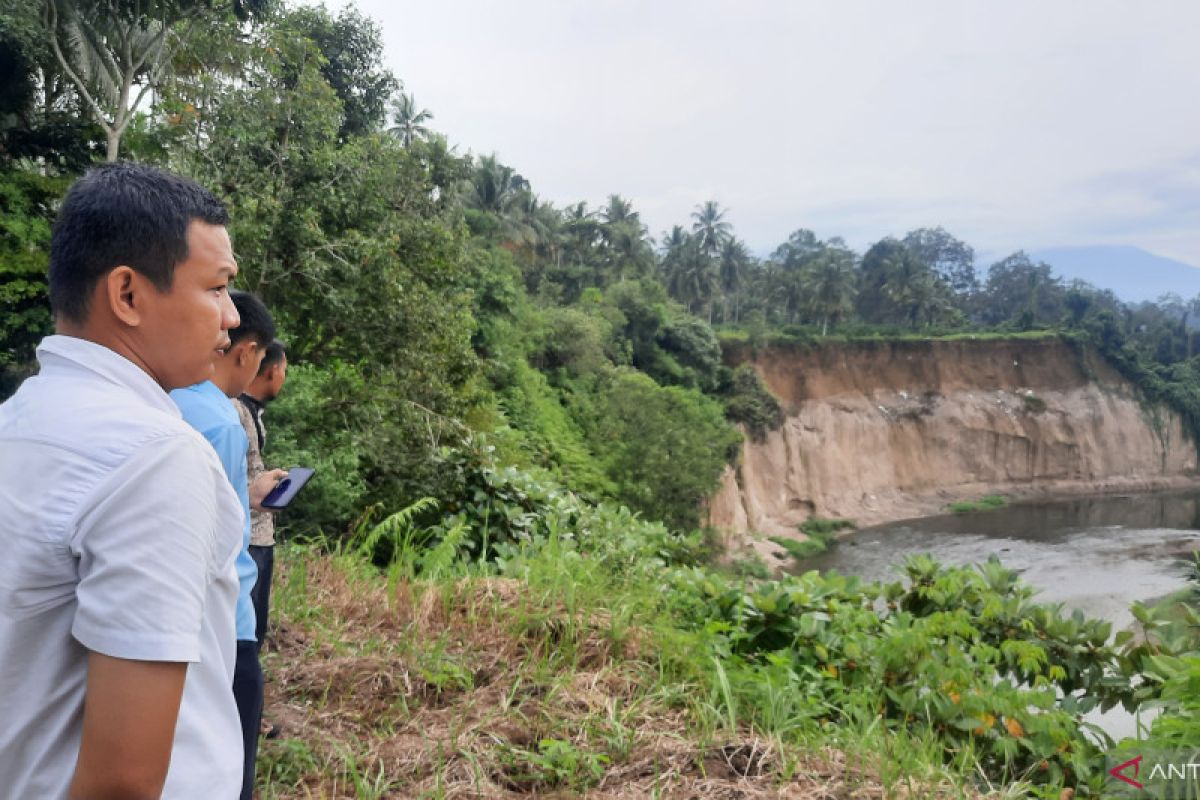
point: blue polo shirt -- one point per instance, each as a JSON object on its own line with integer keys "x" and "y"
{"x": 208, "y": 410}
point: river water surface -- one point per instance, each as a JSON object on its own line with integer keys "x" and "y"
{"x": 1096, "y": 554}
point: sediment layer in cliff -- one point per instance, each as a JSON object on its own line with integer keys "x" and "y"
{"x": 877, "y": 431}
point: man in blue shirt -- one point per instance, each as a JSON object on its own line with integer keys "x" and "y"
{"x": 208, "y": 408}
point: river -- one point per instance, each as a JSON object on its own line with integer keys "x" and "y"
{"x": 1097, "y": 554}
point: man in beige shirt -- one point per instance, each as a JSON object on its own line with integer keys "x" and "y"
{"x": 264, "y": 388}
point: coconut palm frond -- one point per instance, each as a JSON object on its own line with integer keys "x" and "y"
{"x": 109, "y": 51}
{"x": 93, "y": 57}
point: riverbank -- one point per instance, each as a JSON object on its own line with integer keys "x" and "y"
{"x": 877, "y": 432}
{"x": 898, "y": 509}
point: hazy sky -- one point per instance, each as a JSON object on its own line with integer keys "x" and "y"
{"x": 1013, "y": 123}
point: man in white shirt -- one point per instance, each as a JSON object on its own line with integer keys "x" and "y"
{"x": 118, "y": 527}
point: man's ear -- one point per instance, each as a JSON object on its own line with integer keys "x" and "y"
{"x": 245, "y": 351}
{"x": 124, "y": 289}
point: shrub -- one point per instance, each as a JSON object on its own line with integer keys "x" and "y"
{"x": 663, "y": 446}
{"x": 750, "y": 403}
{"x": 982, "y": 504}
{"x": 963, "y": 655}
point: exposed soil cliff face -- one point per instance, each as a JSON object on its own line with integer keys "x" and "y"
{"x": 888, "y": 430}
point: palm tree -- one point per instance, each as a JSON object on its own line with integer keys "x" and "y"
{"x": 829, "y": 287}
{"x": 675, "y": 245}
{"x": 409, "y": 119}
{"x": 494, "y": 186}
{"x": 735, "y": 260}
{"x": 581, "y": 232}
{"x": 625, "y": 237}
{"x": 916, "y": 291}
{"x": 497, "y": 189}
{"x": 531, "y": 225}
{"x": 691, "y": 276}
{"x": 711, "y": 227}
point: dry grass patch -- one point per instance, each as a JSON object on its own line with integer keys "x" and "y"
{"x": 481, "y": 689}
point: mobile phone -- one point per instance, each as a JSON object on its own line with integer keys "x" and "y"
{"x": 286, "y": 489}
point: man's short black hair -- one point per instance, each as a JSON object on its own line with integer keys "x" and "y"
{"x": 256, "y": 321}
{"x": 276, "y": 352}
{"x": 123, "y": 214}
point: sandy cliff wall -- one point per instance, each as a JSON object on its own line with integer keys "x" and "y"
{"x": 888, "y": 430}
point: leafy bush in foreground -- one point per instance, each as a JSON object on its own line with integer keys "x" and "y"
{"x": 959, "y": 653}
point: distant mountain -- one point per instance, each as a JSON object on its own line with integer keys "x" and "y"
{"x": 1132, "y": 273}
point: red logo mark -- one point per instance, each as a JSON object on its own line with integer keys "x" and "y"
{"x": 1136, "y": 763}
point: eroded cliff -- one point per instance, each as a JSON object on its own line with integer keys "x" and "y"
{"x": 888, "y": 430}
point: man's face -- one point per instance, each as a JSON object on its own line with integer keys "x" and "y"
{"x": 278, "y": 376}
{"x": 239, "y": 366}
{"x": 186, "y": 329}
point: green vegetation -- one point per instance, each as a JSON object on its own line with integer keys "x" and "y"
{"x": 818, "y": 526}
{"x": 750, "y": 403}
{"x": 1034, "y": 404}
{"x": 820, "y": 533}
{"x": 982, "y": 504}
{"x": 597, "y": 647}
{"x": 548, "y": 382}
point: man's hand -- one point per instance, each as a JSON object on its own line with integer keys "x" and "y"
{"x": 263, "y": 485}
{"x": 129, "y": 716}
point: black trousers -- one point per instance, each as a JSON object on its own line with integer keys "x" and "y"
{"x": 260, "y": 595}
{"x": 248, "y": 693}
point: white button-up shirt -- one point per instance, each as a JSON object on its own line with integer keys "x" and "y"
{"x": 118, "y": 533}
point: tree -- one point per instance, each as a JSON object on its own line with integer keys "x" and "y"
{"x": 895, "y": 286}
{"x": 801, "y": 245}
{"x": 112, "y": 58}
{"x": 41, "y": 118}
{"x": 952, "y": 259}
{"x": 349, "y": 242}
{"x": 1078, "y": 301}
{"x": 408, "y": 120}
{"x": 735, "y": 261}
{"x": 691, "y": 276}
{"x": 664, "y": 447}
{"x": 1020, "y": 291}
{"x": 828, "y": 281}
{"x": 710, "y": 227}
{"x": 629, "y": 253}
{"x": 920, "y": 297}
{"x": 786, "y": 277}
{"x": 494, "y": 187}
{"x": 352, "y": 47}
{"x": 114, "y": 52}
{"x": 27, "y": 204}
{"x": 872, "y": 302}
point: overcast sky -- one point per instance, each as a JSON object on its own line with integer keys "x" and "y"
{"x": 1012, "y": 123}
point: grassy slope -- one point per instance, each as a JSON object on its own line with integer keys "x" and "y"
{"x": 557, "y": 684}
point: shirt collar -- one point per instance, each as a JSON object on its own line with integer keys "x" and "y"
{"x": 253, "y": 403}
{"x": 72, "y": 354}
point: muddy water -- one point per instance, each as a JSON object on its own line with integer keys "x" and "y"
{"x": 1096, "y": 554}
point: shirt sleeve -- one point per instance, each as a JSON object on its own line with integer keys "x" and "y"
{"x": 254, "y": 462}
{"x": 146, "y": 550}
